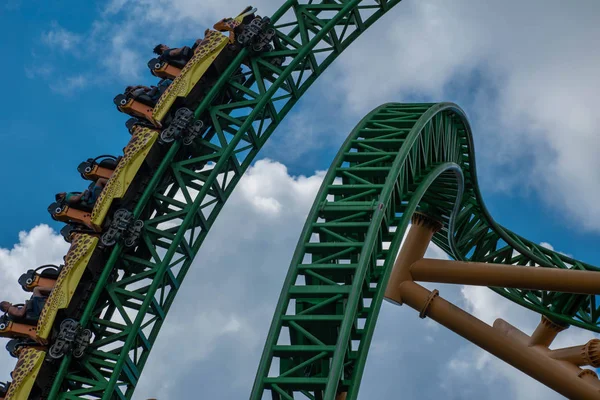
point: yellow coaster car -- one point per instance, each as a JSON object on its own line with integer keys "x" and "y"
{"x": 110, "y": 213}
{"x": 25, "y": 384}
{"x": 79, "y": 261}
{"x": 55, "y": 325}
{"x": 212, "y": 56}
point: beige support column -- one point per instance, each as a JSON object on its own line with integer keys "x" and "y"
{"x": 589, "y": 376}
{"x": 588, "y": 354}
{"x": 545, "y": 333}
{"x": 508, "y": 276}
{"x": 341, "y": 396}
{"x": 514, "y": 334}
{"x": 548, "y": 371}
{"x": 414, "y": 248}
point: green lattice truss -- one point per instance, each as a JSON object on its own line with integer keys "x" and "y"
{"x": 183, "y": 199}
{"x": 400, "y": 158}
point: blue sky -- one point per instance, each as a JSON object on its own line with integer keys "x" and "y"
{"x": 529, "y": 103}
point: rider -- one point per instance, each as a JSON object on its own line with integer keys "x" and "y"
{"x": 85, "y": 199}
{"x": 177, "y": 55}
{"x": 31, "y": 310}
{"x": 153, "y": 93}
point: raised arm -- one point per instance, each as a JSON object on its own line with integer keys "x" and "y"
{"x": 17, "y": 312}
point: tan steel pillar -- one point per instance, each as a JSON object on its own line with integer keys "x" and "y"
{"x": 514, "y": 334}
{"x": 509, "y": 276}
{"x": 341, "y": 396}
{"x": 414, "y": 248}
{"x": 588, "y": 354}
{"x": 546, "y": 332}
{"x": 550, "y": 372}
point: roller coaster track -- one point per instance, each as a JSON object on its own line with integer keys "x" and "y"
{"x": 399, "y": 159}
{"x": 184, "y": 197}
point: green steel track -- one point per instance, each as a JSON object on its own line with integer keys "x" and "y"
{"x": 184, "y": 197}
{"x": 399, "y": 159}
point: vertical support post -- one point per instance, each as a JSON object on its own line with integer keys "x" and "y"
{"x": 415, "y": 245}
{"x": 546, "y": 370}
{"x": 588, "y": 354}
{"x": 546, "y": 332}
{"x": 528, "y": 354}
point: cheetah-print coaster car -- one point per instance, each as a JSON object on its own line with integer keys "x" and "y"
{"x": 135, "y": 154}
{"x": 76, "y": 261}
{"x": 24, "y": 376}
{"x": 207, "y": 52}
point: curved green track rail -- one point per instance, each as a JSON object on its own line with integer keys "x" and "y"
{"x": 400, "y": 158}
{"x": 136, "y": 290}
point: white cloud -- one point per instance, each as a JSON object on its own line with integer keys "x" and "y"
{"x": 114, "y": 6}
{"x": 267, "y": 185}
{"x": 123, "y": 59}
{"x": 61, "y": 38}
{"x": 70, "y": 85}
{"x": 42, "y": 71}
{"x": 524, "y": 73}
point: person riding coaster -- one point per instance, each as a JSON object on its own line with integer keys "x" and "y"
{"x": 212, "y": 56}
{"x": 83, "y": 200}
{"x": 170, "y": 62}
{"x": 139, "y": 100}
{"x": 147, "y": 95}
{"x": 177, "y": 56}
{"x": 106, "y": 208}
{"x": 20, "y": 320}
{"x": 76, "y": 207}
{"x": 30, "y": 312}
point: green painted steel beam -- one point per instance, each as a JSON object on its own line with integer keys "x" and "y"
{"x": 399, "y": 159}
{"x": 184, "y": 197}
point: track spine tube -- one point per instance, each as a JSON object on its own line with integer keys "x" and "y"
{"x": 258, "y": 388}
{"x": 372, "y": 235}
{"x": 394, "y": 248}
